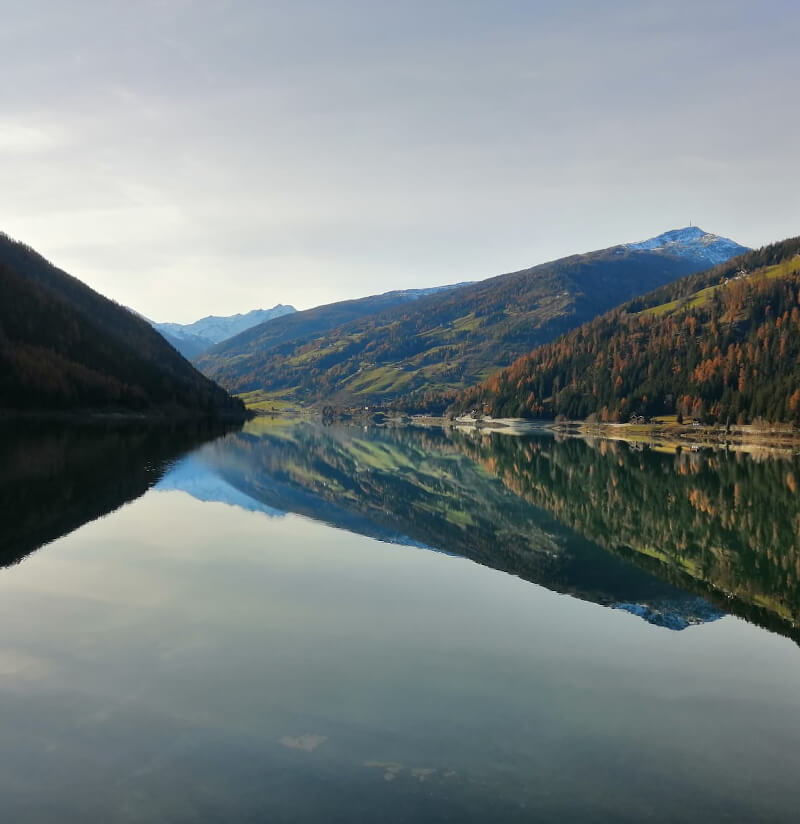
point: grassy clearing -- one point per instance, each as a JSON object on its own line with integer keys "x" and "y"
{"x": 469, "y": 323}
{"x": 700, "y": 298}
{"x": 379, "y": 379}
{"x": 260, "y": 401}
{"x": 452, "y": 329}
{"x": 690, "y": 302}
{"x": 313, "y": 354}
{"x": 782, "y": 270}
{"x": 661, "y": 309}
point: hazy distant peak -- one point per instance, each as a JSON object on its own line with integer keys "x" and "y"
{"x": 218, "y": 328}
{"x": 692, "y": 240}
{"x": 277, "y": 310}
{"x": 192, "y": 338}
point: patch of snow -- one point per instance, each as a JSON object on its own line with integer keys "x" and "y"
{"x": 692, "y": 241}
{"x": 217, "y": 329}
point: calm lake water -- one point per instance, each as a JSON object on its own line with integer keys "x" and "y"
{"x": 319, "y": 624}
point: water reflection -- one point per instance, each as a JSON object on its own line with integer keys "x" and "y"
{"x": 720, "y": 523}
{"x": 674, "y": 538}
{"x": 55, "y": 477}
{"x": 423, "y": 488}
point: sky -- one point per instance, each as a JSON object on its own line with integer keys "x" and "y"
{"x": 193, "y": 158}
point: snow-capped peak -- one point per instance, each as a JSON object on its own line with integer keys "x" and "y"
{"x": 693, "y": 241}
{"x": 216, "y": 328}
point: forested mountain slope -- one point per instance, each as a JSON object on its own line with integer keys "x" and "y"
{"x": 65, "y": 347}
{"x": 284, "y": 334}
{"x": 427, "y": 349}
{"x": 723, "y": 345}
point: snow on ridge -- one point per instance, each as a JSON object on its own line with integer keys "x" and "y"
{"x": 692, "y": 241}
{"x": 686, "y": 235}
{"x": 217, "y": 328}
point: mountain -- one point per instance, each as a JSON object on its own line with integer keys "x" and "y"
{"x": 722, "y": 345}
{"x": 693, "y": 242}
{"x": 65, "y": 347}
{"x": 189, "y": 345}
{"x": 191, "y": 339}
{"x": 285, "y": 333}
{"x": 428, "y": 349}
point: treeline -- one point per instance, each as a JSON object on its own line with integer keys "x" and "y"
{"x": 723, "y": 346}
{"x": 65, "y": 347}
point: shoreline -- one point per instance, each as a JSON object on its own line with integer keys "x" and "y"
{"x": 89, "y": 416}
{"x": 659, "y": 434}
{"x": 745, "y": 438}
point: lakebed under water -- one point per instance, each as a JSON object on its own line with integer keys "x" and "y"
{"x": 294, "y": 622}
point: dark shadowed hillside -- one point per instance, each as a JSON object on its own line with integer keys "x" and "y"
{"x": 723, "y": 346}
{"x": 427, "y": 349}
{"x": 65, "y": 347}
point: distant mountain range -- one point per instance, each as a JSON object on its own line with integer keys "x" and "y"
{"x": 65, "y": 347}
{"x": 427, "y": 348}
{"x": 285, "y": 333}
{"x": 719, "y": 346}
{"x": 191, "y": 339}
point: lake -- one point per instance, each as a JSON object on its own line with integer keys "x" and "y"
{"x": 307, "y": 623}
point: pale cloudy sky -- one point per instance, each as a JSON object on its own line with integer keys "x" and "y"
{"x": 188, "y": 158}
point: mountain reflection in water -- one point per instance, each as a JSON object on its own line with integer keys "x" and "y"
{"x": 55, "y": 477}
{"x": 423, "y": 488}
{"x": 673, "y": 538}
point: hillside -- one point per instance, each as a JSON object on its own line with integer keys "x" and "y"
{"x": 723, "y": 345}
{"x": 427, "y": 350}
{"x": 65, "y": 347}
{"x": 282, "y": 335}
{"x": 191, "y": 339}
